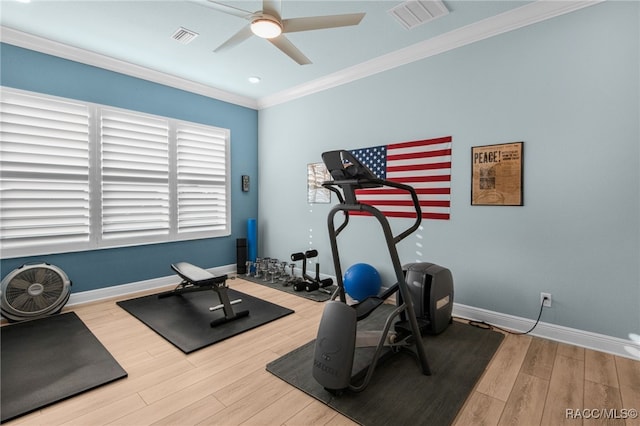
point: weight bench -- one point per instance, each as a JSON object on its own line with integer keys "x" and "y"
{"x": 198, "y": 279}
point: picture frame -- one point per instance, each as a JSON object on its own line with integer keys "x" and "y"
{"x": 497, "y": 175}
{"x": 317, "y": 173}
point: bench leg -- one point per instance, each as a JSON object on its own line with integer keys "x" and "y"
{"x": 229, "y": 314}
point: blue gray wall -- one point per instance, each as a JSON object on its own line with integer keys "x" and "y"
{"x": 567, "y": 87}
{"x": 28, "y": 70}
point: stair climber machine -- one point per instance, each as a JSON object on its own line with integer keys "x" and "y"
{"x": 338, "y": 335}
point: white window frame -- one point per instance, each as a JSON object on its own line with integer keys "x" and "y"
{"x": 95, "y": 238}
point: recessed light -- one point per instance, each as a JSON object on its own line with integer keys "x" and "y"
{"x": 23, "y": 1}
{"x": 254, "y": 80}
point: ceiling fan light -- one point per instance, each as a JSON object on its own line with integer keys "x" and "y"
{"x": 266, "y": 28}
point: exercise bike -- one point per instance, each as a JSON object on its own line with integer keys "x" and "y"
{"x": 338, "y": 334}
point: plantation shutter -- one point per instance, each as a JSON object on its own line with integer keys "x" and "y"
{"x": 44, "y": 172}
{"x": 202, "y": 187}
{"x": 135, "y": 175}
{"x": 78, "y": 176}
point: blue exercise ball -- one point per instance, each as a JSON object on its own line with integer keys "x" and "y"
{"x": 361, "y": 281}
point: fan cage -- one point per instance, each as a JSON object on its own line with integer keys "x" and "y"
{"x": 33, "y": 291}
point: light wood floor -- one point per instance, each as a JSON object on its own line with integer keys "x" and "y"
{"x": 530, "y": 381}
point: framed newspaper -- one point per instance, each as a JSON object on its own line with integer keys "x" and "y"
{"x": 496, "y": 175}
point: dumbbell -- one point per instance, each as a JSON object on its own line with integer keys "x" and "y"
{"x": 318, "y": 284}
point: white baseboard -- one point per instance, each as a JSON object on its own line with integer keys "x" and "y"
{"x": 558, "y": 333}
{"x": 572, "y": 336}
{"x": 125, "y": 289}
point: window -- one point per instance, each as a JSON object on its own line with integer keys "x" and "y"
{"x": 135, "y": 176}
{"x": 44, "y": 179}
{"x": 201, "y": 175}
{"x": 77, "y": 176}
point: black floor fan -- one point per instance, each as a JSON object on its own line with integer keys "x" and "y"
{"x": 34, "y": 291}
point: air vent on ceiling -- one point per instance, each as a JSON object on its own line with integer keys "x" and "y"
{"x": 412, "y": 13}
{"x": 184, "y": 36}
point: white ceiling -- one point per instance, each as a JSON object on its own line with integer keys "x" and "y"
{"x": 135, "y": 37}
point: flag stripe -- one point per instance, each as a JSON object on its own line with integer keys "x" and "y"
{"x": 411, "y": 167}
{"x": 409, "y": 203}
{"x": 400, "y": 209}
{"x": 442, "y": 147}
{"x": 375, "y": 197}
{"x": 420, "y": 143}
{"x": 418, "y": 173}
{"x": 425, "y": 215}
{"x": 437, "y": 178}
{"x": 413, "y": 155}
{"x": 404, "y": 199}
{"x": 419, "y": 191}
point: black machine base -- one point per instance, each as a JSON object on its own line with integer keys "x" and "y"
{"x": 431, "y": 289}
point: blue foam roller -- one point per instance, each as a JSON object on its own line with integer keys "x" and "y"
{"x": 252, "y": 239}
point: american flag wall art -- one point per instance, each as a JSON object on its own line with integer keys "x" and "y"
{"x": 425, "y": 165}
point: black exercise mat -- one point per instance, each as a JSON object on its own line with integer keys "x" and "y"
{"x": 398, "y": 392}
{"x": 47, "y": 360}
{"x": 184, "y": 319}
{"x": 316, "y": 295}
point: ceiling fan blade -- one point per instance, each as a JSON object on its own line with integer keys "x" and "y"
{"x": 282, "y": 43}
{"x": 230, "y": 10}
{"x": 272, "y": 7}
{"x": 321, "y": 22}
{"x": 235, "y": 39}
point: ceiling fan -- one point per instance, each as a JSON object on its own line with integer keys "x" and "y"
{"x": 268, "y": 24}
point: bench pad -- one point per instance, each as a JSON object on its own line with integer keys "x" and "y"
{"x": 196, "y": 275}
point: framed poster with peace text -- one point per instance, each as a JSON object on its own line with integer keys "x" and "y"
{"x": 496, "y": 175}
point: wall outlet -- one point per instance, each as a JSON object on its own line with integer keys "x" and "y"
{"x": 545, "y": 299}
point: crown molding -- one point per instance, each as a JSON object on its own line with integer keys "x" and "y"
{"x": 50, "y": 47}
{"x": 514, "y": 19}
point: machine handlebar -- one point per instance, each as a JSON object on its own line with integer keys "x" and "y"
{"x": 350, "y": 174}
